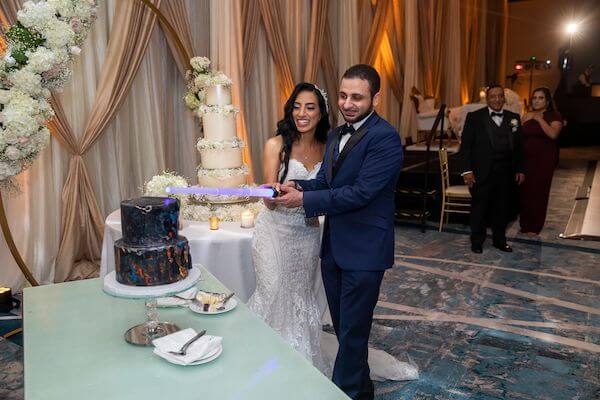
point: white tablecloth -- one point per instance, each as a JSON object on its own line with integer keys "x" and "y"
{"x": 226, "y": 253}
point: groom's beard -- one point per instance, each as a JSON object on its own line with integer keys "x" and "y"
{"x": 361, "y": 116}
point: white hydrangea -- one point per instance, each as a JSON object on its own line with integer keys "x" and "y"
{"x": 41, "y": 60}
{"x": 36, "y": 15}
{"x": 200, "y": 64}
{"x": 26, "y": 81}
{"x": 12, "y": 153}
{"x": 64, "y": 7}
{"x": 58, "y": 34}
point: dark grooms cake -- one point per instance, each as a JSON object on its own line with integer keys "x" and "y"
{"x": 151, "y": 252}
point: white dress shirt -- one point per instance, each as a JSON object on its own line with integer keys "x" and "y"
{"x": 495, "y": 118}
{"x": 345, "y": 137}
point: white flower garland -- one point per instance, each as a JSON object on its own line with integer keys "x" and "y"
{"x": 227, "y": 109}
{"x": 206, "y": 144}
{"x": 41, "y": 46}
{"x": 222, "y": 172}
{"x": 225, "y": 212}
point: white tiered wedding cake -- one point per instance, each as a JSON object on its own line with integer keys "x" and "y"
{"x": 220, "y": 149}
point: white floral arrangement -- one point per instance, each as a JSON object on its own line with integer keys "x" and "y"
{"x": 41, "y": 47}
{"x": 225, "y": 212}
{"x": 223, "y": 172}
{"x": 206, "y": 144}
{"x": 157, "y": 185}
{"x": 199, "y": 78}
{"x": 227, "y": 109}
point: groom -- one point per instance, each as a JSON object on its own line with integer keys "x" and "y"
{"x": 355, "y": 191}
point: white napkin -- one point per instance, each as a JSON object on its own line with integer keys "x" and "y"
{"x": 202, "y": 348}
{"x": 180, "y": 300}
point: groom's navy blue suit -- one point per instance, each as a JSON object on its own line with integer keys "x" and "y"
{"x": 355, "y": 191}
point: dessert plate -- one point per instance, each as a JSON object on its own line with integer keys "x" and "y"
{"x": 197, "y": 308}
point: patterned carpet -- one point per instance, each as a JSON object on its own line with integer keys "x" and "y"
{"x": 524, "y": 325}
{"x": 517, "y": 326}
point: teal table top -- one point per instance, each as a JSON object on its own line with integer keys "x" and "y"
{"x": 74, "y": 349}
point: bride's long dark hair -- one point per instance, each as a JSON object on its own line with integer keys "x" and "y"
{"x": 286, "y": 128}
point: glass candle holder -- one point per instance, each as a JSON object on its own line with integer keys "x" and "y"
{"x": 213, "y": 222}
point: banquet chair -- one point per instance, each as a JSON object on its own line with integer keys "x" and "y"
{"x": 455, "y": 198}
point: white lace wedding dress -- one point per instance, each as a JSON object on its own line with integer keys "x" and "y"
{"x": 289, "y": 293}
{"x": 285, "y": 251}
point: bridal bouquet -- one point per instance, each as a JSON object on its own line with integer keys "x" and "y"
{"x": 199, "y": 78}
{"x": 37, "y": 59}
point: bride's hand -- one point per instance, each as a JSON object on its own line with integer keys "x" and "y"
{"x": 269, "y": 202}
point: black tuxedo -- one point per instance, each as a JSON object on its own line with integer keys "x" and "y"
{"x": 494, "y": 154}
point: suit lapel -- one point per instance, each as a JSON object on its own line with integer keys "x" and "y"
{"x": 330, "y": 154}
{"x": 488, "y": 126}
{"x": 353, "y": 141}
{"x": 506, "y": 125}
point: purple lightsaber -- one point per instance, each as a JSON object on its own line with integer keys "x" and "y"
{"x": 242, "y": 192}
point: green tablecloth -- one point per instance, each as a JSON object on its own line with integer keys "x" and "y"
{"x": 74, "y": 349}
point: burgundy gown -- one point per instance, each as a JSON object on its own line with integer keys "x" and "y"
{"x": 541, "y": 156}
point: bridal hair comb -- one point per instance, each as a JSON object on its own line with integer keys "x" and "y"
{"x": 324, "y": 94}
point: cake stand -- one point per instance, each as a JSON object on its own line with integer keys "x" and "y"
{"x": 144, "y": 334}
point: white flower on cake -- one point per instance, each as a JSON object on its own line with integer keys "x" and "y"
{"x": 218, "y": 78}
{"x": 200, "y": 64}
{"x": 235, "y": 143}
{"x": 222, "y": 110}
{"x": 225, "y": 212}
{"x": 222, "y": 173}
{"x": 157, "y": 185}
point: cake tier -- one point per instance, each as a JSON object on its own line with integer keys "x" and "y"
{"x": 149, "y": 220}
{"x": 152, "y": 265}
{"x": 218, "y": 95}
{"x": 218, "y": 125}
{"x": 222, "y": 178}
{"x": 225, "y": 158}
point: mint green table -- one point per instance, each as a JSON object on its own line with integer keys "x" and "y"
{"x": 74, "y": 349}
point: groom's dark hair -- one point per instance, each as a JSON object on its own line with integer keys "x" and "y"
{"x": 367, "y": 73}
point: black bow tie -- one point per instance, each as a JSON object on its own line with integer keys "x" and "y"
{"x": 347, "y": 129}
{"x": 497, "y": 114}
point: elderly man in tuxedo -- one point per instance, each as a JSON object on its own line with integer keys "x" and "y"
{"x": 492, "y": 160}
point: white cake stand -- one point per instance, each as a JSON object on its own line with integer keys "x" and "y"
{"x": 144, "y": 334}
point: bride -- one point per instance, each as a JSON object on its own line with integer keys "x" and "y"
{"x": 289, "y": 292}
{"x": 285, "y": 247}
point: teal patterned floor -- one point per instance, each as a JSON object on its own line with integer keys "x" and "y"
{"x": 524, "y": 325}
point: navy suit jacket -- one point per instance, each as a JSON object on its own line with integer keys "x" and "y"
{"x": 356, "y": 194}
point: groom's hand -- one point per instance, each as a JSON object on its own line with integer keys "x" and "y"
{"x": 289, "y": 197}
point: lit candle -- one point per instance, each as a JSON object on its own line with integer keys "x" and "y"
{"x": 214, "y": 222}
{"x": 247, "y": 219}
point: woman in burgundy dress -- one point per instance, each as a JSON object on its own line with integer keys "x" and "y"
{"x": 540, "y": 129}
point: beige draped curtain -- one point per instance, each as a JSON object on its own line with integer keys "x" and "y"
{"x": 471, "y": 21}
{"x": 432, "y": 25}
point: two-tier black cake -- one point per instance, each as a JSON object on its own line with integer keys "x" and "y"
{"x": 151, "y": 252}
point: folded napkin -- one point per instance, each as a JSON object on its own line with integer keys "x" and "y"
{"x": 180, "y": 300}
{"x": 203, "y": 348}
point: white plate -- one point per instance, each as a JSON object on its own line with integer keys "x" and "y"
{"x": 230, "y": 305}
{"x": 210, "y": 358}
